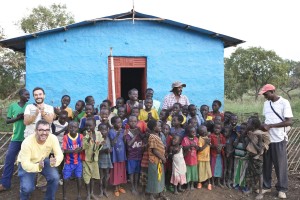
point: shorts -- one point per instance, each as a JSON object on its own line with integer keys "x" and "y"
{"x": 69, "y": 169}
{"x": 133, "y": 166}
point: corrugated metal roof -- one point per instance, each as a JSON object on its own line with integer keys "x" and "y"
{"x": 18, "y": 43}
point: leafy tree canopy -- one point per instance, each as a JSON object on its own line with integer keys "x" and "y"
{"x": 44, "y": 18}
{"x": 250, "y": 69}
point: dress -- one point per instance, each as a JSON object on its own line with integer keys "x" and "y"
{"x": 204, "y": 168}
{"x": 216, "y": 160}
{"x": 118, "y": 156}
{"x": 191, "y": 159}
{"x": 178, "y": 169}
{"x": 240, "y": 165}
{"x": 156, "y": 175}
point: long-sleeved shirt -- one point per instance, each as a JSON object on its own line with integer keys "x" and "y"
{"x": 32, "y": 153}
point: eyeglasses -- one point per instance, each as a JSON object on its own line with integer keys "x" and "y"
{"x": 44, "y": 130}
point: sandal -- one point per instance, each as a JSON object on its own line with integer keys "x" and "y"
{"x": 122, "y": 190}
{"x": 209, "y": 187}
{"x": 199, "y": 186}
{"x": 117, "y": 193}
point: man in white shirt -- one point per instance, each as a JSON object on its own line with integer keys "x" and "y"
{"x": 37, "y": 111}
{"x": 278, "y": 116}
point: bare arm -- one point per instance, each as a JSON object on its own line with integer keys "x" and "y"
{"x": 17, "y": 118}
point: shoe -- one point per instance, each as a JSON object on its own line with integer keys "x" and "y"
{"x": 199, "y": 186}
{"x": 281, "y": 195}
{"x": 263, "y": 191}
{"x": 61, "y": 182}
{"x": 2, "y": 188}
{"x": 209, "y": 187}
{"x": 122, "y": 190}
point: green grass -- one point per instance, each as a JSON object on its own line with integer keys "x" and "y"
{"x": 249, "y": 106}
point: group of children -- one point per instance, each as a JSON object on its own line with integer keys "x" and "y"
{"x": 176, "y": 149}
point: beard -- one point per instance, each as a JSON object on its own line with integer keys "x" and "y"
{"x": 39, "y": 100}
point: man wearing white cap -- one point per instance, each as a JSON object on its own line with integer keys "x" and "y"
{"x": 175, "y": 96}
{"x": 278, "y": 116}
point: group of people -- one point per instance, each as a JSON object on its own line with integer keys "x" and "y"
{"x": 174, "y": 146}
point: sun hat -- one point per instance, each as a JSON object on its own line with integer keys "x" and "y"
{"x": 177, "y": 84}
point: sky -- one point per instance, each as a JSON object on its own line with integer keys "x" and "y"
{"x": 270, "y": 24}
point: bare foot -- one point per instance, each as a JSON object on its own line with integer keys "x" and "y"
{"x": 93, "y": 196}
{"x": 105, "y": 194}
{"x": 134, "y": 192}
{"x": 88, "y": 197}
{"x": 260, "y": 196}
{"x": 79, "y": 198}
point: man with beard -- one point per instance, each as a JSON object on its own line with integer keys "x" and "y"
{"x": 15, "y": 115}
{"x": 36, "y": 157}
{"x": 175, "y": 96}
{"x": 33, "y": 113}
{"x": 36, "y": 111}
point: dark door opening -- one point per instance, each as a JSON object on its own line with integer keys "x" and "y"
{"x": 132, "y": 78}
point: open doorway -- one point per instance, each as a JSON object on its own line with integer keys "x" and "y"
{"x": 132, "y": 78}
{"x": 129, "y": 72}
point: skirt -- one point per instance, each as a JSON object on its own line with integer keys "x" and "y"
{"x": 155, "y": 184}
{"x": 216, "y": 166}
{"x": 240, "y": 167}
{"x": 204, "y": 171}
{"x": 118, "y": 174}
{"x": 191, "y": 173}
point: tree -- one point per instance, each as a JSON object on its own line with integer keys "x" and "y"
{"x": 250, "y": 69}
{"x": 293, "y": 81}
{"x": 43, "y": 18}
{"x": 12, "y": 67}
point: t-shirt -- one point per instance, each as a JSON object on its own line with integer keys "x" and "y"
{"x": 214, "y": 141}
{"x": 135, "y": 151}
{"x": 70, "y": 112}
{"x": 213, "y": 115}
{"x": 191, "y": 154}
{"x": 118, "y": 153}
{"x": 203, "y": 155}
{"x": 70, "y": 143}
{"x": 18, "y": 127}
{"x": 141, "y": 124}
{"x": 79, "y": 116}
{"x": 57, "y": 126}
{"x": 144, "y": 114}
{"x": 283, "y": 108}
{"x": 32, "y": 152}
{"x": 83, "y": 120}
{"x": 31, "y": 110}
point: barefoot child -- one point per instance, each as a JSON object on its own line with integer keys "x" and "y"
{"x": 203, "y": 155}
{"x": 156, "y": 174}
{"x": 178, "y": 177}
{"x": 118, "y": 155}
{"x": 92, "y": 143}
{"x": 228, "y": 157}
{"x": 240, "y": 158}
{"x": 104, "y": 160}
{"x": 190, "y": 147}
{"x": 216, "y": 150}
{"x": 133, "y": 140}
{"x": 258, "y": 143}
{"x": 72, "y": 146}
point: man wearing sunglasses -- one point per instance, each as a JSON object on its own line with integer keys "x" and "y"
{"x": 35, "y": 156}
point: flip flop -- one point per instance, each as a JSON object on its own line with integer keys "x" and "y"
{"x": 117, "y": 193}
{"x": 122, "y": 190}
{"x": 209, "y": 187}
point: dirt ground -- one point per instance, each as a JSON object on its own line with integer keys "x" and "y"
{"x": 201, "y": 194}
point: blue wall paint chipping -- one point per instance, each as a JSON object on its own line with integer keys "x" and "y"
{"x": 74, "y": 62}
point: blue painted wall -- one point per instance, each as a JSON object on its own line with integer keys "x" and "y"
{"x": 74, "y": 62}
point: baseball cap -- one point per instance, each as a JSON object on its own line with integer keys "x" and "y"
{"x": 266, "y": 88}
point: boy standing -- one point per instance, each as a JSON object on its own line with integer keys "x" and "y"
{"x": 15, "y": 115}
{"x": 72, "y": 146}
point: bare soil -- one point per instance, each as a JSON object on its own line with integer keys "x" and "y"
{"x": 216, "y": 194}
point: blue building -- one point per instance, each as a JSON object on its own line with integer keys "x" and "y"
{"x": 147, "y": 51}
